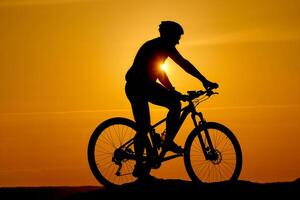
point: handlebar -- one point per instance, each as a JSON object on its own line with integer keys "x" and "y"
{"x": 191, "y": 95}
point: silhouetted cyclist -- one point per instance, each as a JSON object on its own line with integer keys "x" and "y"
{"x": 141, "y": 88}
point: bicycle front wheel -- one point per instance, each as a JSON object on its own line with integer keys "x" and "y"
{"x": 225, "y": 164}
{"x": 111, "y": 153}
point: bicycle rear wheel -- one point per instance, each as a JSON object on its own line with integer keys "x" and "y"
{"x": 111, "y": 165}
{"x": 225, "y": 163}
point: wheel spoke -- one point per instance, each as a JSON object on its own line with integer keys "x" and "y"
{"x": 111, "y": 135}
{"x": 220, "y": 168}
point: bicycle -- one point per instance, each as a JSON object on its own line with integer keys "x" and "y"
{"x": 212, "y": 153}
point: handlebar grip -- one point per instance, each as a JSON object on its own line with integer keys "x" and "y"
{"x": 195, "y": 94}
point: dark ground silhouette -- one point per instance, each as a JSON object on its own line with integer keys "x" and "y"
{"x": 159, "y": 188}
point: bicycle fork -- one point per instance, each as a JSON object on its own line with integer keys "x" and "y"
{"x": 208, "y": 148}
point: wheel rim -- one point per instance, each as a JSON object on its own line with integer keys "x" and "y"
{"x": 222, "y": 166}
{"x": 110, "y": 139}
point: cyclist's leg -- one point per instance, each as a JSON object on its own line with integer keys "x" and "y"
{"x": 159, "y": 95}
{"x": 140, "y": 109}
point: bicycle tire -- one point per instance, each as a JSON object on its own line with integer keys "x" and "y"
{"x": 214, "y": 170}
{"x": 113, "y": 128}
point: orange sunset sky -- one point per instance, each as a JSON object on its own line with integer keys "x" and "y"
{"x": 62, "y": 68}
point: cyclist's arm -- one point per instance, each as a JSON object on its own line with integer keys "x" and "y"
{"x": 163, "y": 78}
{"x": 186, "y": 65}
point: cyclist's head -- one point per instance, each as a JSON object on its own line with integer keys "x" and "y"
{"x": 171, "y": 31}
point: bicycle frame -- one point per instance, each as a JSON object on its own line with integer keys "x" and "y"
{"x": 208, "y": 163}
{"x": 190, "y": 108}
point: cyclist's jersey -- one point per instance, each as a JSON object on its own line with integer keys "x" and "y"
{"x": 146, "y": 67}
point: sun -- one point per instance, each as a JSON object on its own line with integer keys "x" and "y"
{"x": 164, "y": 67}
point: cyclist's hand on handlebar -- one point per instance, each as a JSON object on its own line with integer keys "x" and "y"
{"x": 210, "y": 85}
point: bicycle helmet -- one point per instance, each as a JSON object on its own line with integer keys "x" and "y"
{"x": 170, "y": 28}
